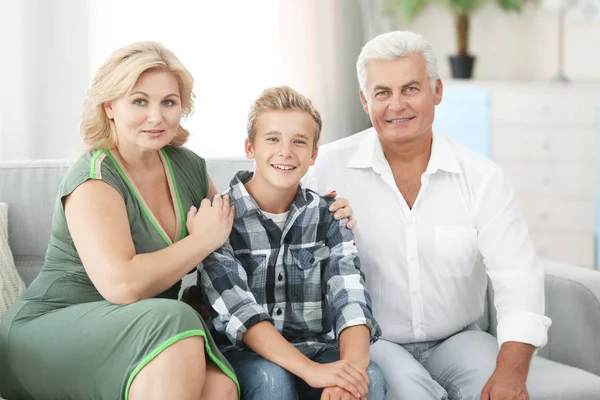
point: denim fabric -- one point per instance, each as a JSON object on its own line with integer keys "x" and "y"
{"x": 261, "y": 379}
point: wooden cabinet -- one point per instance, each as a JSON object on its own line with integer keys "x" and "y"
{"x": 544, "y": 136}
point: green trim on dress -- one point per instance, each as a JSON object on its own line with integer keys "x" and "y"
{"x": 139, "y": 199}
{"x": 93, "y": 163}
{"x": 181, "y": 211}
{"x": 173, "y": 340}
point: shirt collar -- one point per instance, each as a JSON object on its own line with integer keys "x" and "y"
{"x": 245, "y": 203}
{"x": 369, "y": 154}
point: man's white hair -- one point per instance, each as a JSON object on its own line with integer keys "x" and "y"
{"x": 392, "y": 45}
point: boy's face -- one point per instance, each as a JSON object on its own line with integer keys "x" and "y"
{"x": 283, "y": 147}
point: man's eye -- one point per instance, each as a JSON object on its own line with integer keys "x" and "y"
{"x": 382, "y": 92}
{"x": 412, "y": 89}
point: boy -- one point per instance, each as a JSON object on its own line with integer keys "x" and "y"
{"x": 288, "y": 283}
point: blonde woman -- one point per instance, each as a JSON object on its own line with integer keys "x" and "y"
{"x": 102, "y": 320}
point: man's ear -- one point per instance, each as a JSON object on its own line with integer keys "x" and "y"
{"x": 249, "y": 147}
{"x": 363, "y": 100}
{"x": 108, "y": 109}
{"x": 439, "y": 91}
{"x": 315, "y": 153}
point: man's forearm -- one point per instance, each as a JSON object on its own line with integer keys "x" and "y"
{"x": 354, "y": 345}
{"x": 515, "y": 355}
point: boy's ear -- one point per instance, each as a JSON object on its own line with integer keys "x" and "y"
{"x": 249, "y": 147}
{"x": 108, "y": 109}
{"x": 315, "y": 153}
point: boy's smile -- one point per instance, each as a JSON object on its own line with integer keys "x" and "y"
{"x": 284, "y": 149}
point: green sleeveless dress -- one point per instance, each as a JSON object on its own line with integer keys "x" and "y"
{"x": 62, "y": 340}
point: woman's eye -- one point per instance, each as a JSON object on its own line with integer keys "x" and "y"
{"x": 139, "y": 102}
{"x": 169, "y": 103}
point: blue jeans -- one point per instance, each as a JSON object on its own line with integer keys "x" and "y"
{"x": 261, "y": 379}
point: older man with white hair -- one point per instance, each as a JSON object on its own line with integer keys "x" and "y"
{"x": 434, "y": 220}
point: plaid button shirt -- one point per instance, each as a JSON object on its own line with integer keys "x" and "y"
{"x": 305, "y": 279}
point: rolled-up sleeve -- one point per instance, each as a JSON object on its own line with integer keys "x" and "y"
{"x": 226, "y": 285}
{"x": 343, "y": 282}
{"x": 511, "y": 263}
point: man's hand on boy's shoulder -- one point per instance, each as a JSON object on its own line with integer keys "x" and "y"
{"x": 341, "y": 209}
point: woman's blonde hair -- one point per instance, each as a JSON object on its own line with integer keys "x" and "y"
{"x": 117, "y": 76}
{"x": 282, "y": 98}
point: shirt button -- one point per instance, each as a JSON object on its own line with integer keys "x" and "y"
{"x": 280, "y": 277}
{"x": 279, "y": 311}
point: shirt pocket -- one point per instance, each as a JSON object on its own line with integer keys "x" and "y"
{"x": 255, "y": 266}
{"x": 456, "y": 250}
{"x": 305, "y": 283}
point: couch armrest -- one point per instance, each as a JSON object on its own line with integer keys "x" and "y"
{"x": 573, "y": 304}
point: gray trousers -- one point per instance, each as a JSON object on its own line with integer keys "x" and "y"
{"x": 456, "y": 368}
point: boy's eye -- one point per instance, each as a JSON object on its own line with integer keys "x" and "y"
{"x": 139, "y": 102}
{"x": 301, "y": 142}
{"x": 271, "y": 139}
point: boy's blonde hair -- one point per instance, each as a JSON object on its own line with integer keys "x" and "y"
{"x": 117, "y": 76}
{"x": 282, "y": 98}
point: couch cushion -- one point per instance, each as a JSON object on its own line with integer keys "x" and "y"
{"x": 11, "y": 284}
{"x": 549, "y": 380}
{"x": 30, "y": 188}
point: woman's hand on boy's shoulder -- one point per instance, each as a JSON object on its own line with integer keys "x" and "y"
{"x": 341, "y": 209}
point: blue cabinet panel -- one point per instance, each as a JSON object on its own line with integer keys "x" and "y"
{"x": 464, "y": 115}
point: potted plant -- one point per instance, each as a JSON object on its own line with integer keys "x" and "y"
{"x": 462, "y": 10}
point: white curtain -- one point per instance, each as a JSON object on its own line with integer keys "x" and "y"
{"x": 234, "y": 49}
{"x": 43, "y": 76}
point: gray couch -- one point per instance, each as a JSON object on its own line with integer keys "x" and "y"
{"x": 567, "y": 368}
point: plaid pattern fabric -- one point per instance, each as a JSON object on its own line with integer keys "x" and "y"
{"x": 305, "y": 279}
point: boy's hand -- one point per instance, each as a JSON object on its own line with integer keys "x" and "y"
{"x": 336, "y": 393}
{"x": 339, "y": 373}
{"x": 341, "y": 208}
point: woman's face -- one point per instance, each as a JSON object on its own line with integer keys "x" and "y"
{"x": 147, "y": 118}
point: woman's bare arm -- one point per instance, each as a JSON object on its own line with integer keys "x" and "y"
{"x": 98, "y": 223}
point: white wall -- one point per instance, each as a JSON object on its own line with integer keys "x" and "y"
{"x": 515, "y": 46}
{"x": 43, "y": 75}
{"x": 320, "y": 42}
{"x": 50, "y": 51}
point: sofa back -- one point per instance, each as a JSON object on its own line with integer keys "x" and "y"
{"x": 30, "y": 189}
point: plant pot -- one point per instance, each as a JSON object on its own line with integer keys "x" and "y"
{"x": 462, "y": 66}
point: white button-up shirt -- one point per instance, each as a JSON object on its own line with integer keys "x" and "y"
{"x": 426, "y": 267}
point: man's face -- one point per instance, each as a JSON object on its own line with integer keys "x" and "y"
{"x": 283, "y": 148}
{"x": 399, "y": 99}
